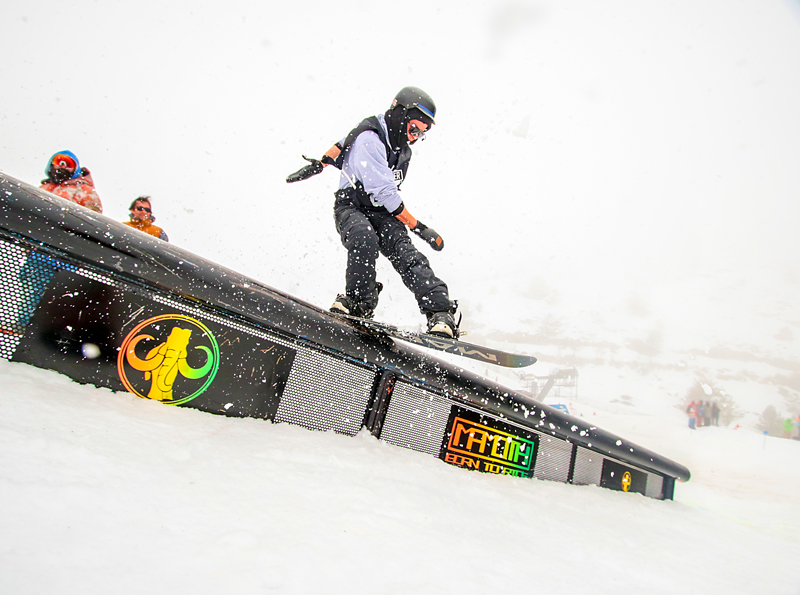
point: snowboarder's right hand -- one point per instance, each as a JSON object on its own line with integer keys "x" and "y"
{"x": 429, "y": 235}
{"x": 306, "y": 172}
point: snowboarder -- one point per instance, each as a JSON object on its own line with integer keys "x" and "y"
{"x": 371, "y": 217}
{"x": 142, "y": 218}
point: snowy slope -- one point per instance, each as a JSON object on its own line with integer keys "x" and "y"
{"x": 104, "y": 491}
{"x": 616, "y": 184}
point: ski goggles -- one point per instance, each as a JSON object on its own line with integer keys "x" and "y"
{"x": 417, "y": 129}
{"x": 61, "y": 161}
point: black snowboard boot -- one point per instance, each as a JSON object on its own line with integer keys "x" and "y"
{"x": 346, "y": 305}
{"x": 442, "y": 324}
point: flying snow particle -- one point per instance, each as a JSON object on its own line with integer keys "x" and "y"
{"x": 90, "y": 351}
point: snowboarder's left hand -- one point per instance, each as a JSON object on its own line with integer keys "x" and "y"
{"x": 429, "y": 235}
{"x": 306, "y": 172}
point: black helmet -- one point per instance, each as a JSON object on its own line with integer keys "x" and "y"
{"x": 414, "y": 98}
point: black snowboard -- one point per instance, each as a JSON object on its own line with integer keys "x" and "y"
{"x": 454, "y": 346}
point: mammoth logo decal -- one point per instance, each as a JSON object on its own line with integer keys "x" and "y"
{"x": 627, "y": 480}
{"x": 170, "y": 358}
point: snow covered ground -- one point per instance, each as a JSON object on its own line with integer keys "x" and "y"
{"x": 616, "y": 184}
{"x": 105, "y": 492}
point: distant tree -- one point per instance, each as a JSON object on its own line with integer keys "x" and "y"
{"x": 696, "y": 393}
{"x": 651, "y": 345}
{"x": 550, "y": 326}
{"x": 729, "y": 410}
{"x": 771, "y": 422}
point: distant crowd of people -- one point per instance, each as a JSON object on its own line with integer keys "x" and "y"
{"x": 706, "y": 413}
{"x": 67, "y": 179}
{"x": 702, "y": 413}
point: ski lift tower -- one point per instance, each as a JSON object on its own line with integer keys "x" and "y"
{"x": 563, "y": 383}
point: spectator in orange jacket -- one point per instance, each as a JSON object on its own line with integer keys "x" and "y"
{"x": 142, "y": 218}
{"x": 67, "y": 179}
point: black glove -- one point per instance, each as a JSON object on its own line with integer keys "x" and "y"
{"x": 307, "y": 171}
{"x": 426, "y": 233}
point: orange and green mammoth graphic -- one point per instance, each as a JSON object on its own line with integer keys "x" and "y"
{"x": 163, "y": 363}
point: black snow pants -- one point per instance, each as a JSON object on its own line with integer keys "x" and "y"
{"x": 366, "y": 232}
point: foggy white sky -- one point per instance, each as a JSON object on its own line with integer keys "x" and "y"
{"x": 606, "y": 148}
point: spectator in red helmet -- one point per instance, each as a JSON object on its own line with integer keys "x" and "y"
{"x": 67, "y": 179}
{"x": 371, "y": 217}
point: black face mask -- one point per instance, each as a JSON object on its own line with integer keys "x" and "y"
{"x": 396, "y": 120}
{"x": 59, "y": 175}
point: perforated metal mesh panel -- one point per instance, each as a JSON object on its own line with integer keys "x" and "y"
{"x": 553, "y": 460}
{"x": 416, "y": 419}
{"x": 24, "y": 275}
{"x": 14, "y": 300}
{"x": 325, "y": 394}
{"x": 588, "y": 467}
{"x": 655, "y": 486}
